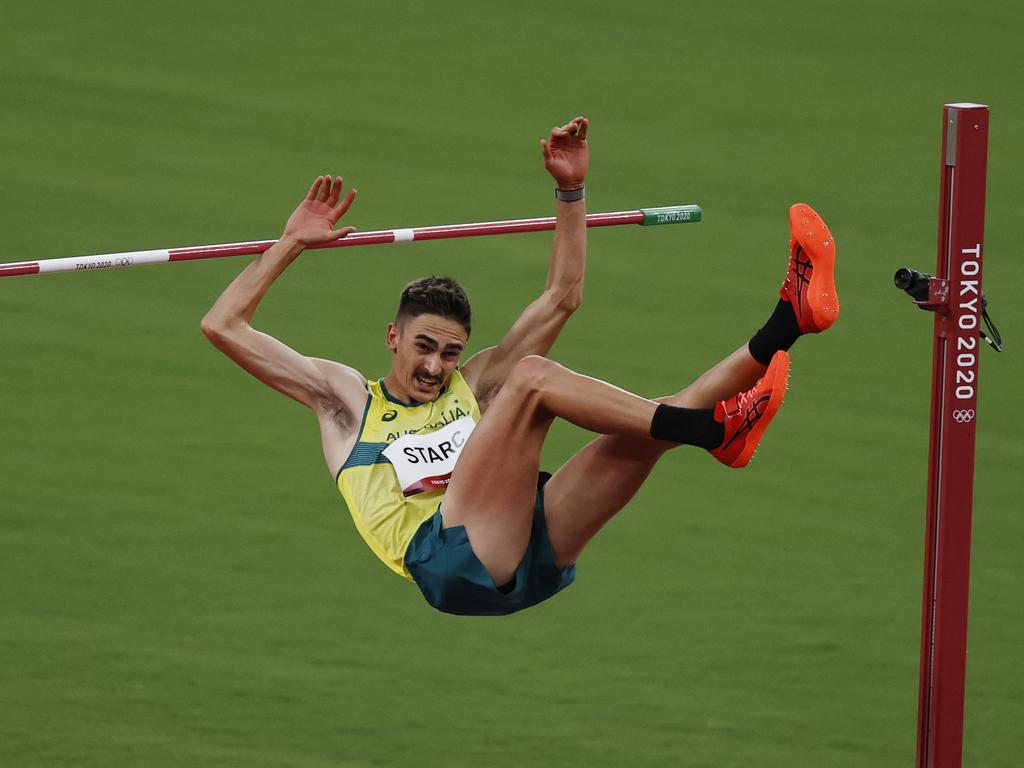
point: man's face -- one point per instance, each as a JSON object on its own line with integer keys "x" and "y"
{"x": 425, "y": 351}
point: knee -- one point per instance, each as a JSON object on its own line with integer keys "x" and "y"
{"x": 530, "y": 375}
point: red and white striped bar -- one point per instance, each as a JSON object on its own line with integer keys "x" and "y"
{"x": 673, "y": 214}
{"x": 958, "y": 315}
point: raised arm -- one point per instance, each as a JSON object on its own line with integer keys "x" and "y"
{"x": 566, "y": 158}
{"x": 334, "y": 391}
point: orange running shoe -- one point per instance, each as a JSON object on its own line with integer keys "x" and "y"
{"x": 810, "y": 284}
{"x": 746, "y": 416}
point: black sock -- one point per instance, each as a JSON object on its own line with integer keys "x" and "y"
{"x": 780, "y": 332}
{"x": 693, "y": 426}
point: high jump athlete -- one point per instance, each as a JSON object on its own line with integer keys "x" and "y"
{"x": 439, "y": 462}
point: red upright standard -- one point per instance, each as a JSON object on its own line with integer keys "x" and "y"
{"x": 955, "y": 296}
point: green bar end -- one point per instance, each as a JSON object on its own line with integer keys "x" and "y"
{"x": 671, "y": 214}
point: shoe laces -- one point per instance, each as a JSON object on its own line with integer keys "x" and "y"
{"x": 737, "y": 404}
{"x": 745, "y": 399}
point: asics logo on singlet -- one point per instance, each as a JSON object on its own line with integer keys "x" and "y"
{"x": 389, "y": 416}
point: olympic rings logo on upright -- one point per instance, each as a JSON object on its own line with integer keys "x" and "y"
{"x": 962, "y": 416}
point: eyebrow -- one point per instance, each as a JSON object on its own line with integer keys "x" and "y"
{"x": 433, "y": 342}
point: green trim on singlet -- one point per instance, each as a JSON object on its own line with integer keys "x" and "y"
{"x": 391, "y": 398}
{"x": 362, "y": 426}
{"x": 363, "y": 455}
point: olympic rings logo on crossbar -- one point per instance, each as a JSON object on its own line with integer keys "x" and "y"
{"x": 963, "y": 416}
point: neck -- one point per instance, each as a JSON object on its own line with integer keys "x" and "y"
{"x": 396, "y": 389}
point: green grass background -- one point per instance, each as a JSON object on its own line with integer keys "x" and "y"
{"x": 180, "y": 584}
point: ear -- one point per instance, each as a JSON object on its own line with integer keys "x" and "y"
{"x": 391, "y": 337}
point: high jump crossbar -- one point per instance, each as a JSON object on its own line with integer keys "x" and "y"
{"x": 955, "y": 297}
{"x": 672, "y": 214}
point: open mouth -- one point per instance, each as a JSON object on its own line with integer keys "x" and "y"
{"x": 426, "y": 382}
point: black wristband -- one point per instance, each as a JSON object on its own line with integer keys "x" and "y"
{"x": 570, "y": 195}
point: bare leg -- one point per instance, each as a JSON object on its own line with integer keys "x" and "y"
{"x": 736, "y": 373}
{"x": 597, "y": 482}
{"x": 492, "y": 489}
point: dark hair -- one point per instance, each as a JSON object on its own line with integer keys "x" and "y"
{"x": 435, "y": 296}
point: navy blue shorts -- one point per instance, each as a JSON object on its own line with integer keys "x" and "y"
{"x": 453, "y": 579}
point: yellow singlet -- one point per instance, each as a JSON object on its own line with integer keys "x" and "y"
{"x": 386, "y": 517}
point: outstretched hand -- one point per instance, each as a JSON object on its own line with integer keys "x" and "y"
{"x": 565, "y": 153}
{"x": 312, "y": 223}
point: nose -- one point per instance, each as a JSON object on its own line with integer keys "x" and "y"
{"x": 433, "y": 365}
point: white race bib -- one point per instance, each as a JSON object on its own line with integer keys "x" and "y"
{"x": 424, "y": 462}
